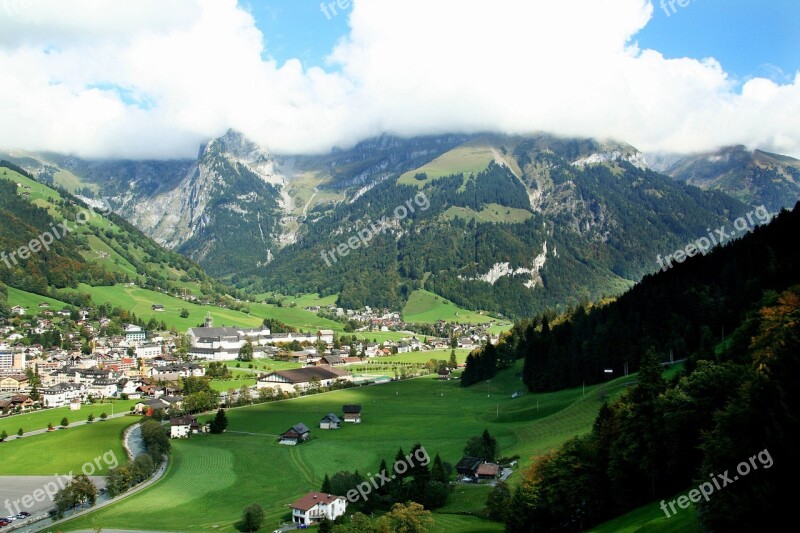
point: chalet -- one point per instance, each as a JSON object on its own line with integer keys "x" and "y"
{"x": 352, "y": 413}
{"x": 444, "y": 374}
{"x": 18, "y": 310}
{"x": 297, "y": 434}
{"x": 182, "y": 427}
{"x": 300, "y": 378}
{"x": 23, "y": 401}
{"x": 157, "y": 307}
{"x": 315, "y": 506}
{"x": 44, "y": 305}
{"x": 330, "y": 421}
{"x": 468, "y": 466}
{"x": 487, "y": 472}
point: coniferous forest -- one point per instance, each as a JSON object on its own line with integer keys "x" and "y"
{"x": 736, "y": 398}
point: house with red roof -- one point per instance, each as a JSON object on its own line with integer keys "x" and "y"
{"x": 315, "y": 506}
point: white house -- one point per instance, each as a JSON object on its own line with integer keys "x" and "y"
{"x": 181, "y": 428}
{"x": 315, "y": 506}
{"x": 18, "y": 310}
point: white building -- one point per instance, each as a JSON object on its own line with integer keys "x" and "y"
{"x": 315, "y": 506}
{"x": 148, "y": 351}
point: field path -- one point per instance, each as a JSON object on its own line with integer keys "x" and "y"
{"x": 298, "y": 461}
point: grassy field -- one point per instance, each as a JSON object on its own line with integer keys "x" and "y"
{"x": 649, "y": 519}
{"x": 39, "y": 419}
{"x": 140, "y": 300}
{"x": 222, "y": 385}
{"x": 64, "y": 450}
{"x": 439, "y": 415}
{"x": 470, "y": 157}
{"x": 31, "y": 301}
{"x": 490, "y": 213}
{"x": 423, "y": 357}
{"x": 426, "y": 307}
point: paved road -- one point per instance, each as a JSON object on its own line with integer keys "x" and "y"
{"x": 15, "y": 489}
{"x": 43, "y": 523}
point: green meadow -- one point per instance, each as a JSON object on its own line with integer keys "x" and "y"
{"x": 64, "y": 450}
{"x": 426, "y": 307}
{"x": 212, "y": 478}
{"x": 34, "y": 420}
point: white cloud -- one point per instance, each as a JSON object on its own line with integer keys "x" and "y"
{"x": 154, "y": 78}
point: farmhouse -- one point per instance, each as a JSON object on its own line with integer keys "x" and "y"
{"x": 18, "y": 310}
{"x": 181, "y": 428}
{"x": 297, "y": 434}
{"x": 487, "y": 472}
{"x": 314, "y": 506}
{"x": 468, "y": 466}
{"x": 330, "y": 421}
{"x": 352, "y": 413}
{"x": 288, "y": 380}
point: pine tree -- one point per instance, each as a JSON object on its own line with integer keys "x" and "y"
{"x": 220, "y": 422}
{"x": 326, "y": 485}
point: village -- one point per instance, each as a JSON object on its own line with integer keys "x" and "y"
{"x": 100, "y": 358}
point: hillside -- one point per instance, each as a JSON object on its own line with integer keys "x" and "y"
{"x": 76, "y": 243}
{"x": 733, "y": 316}
{"x": 515, "y": 225}
{"x": 579, "y": 222}
{"x": 755, "y": 177}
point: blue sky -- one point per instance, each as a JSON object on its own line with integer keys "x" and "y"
{"x": 749, "y": 37}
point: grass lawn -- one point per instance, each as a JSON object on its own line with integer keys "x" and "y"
{"x": 426, "y": 307}
{"x": 31, "y": 301}
{"x": 214, "y": 477}
{"x": 64, "y": 450}
{"x": 222, "y": 385}
{"x": 423, "y": 357}
{"x": 650, "y": 518}
{"x": 38, "y": 419}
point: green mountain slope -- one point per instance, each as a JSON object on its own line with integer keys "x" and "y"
{"x": 52, "y": 241}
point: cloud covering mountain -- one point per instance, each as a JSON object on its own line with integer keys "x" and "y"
{"x": 155, "y": 78}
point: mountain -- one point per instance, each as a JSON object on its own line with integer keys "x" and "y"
{"x": 515, "y": 224}
{"x": 51, "y": 241}
{"x": 753, "y": 176}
